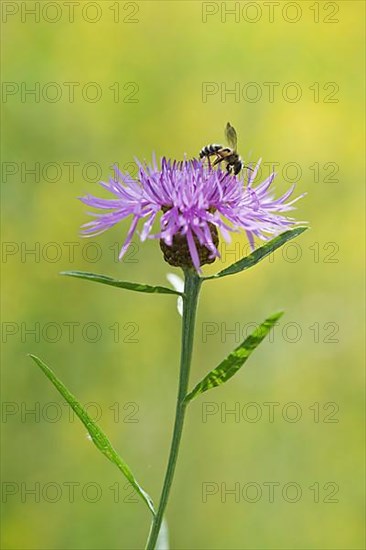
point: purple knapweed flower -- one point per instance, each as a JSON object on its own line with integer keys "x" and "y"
{"x": 194, "y": 201}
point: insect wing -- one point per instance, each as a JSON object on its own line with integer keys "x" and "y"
{"x": 231, "y": 136}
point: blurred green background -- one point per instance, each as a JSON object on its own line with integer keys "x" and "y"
{"x": 122, "y": 359}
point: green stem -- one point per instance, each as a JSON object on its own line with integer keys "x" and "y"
{"x": 191, "y": 290}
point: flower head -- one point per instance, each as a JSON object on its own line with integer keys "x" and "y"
{"x": 193, "y": 201}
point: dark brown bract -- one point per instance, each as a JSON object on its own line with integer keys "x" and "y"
{"x": 178, "y": 253}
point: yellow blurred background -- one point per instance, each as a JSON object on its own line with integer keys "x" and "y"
{"x": 114, "y": 80}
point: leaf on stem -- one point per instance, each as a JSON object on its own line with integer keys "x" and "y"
{"x": 233, "y": 362}
{"x": 104, "y": 279}
{"x": 98, "y": 437}
{"x": 259, "y": 253}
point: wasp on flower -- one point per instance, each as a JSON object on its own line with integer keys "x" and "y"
{"x": 195, "y": 202}
{"x": 224, "y": 153}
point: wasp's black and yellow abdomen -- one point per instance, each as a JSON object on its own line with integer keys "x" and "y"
{"x": 210, "y": 150}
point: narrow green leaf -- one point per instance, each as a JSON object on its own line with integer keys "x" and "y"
{"x": 98, "y": 437}
{"x": 233, "y": 362}
{"x": 138, "y": 287}
{"x": 259, "y": 254}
